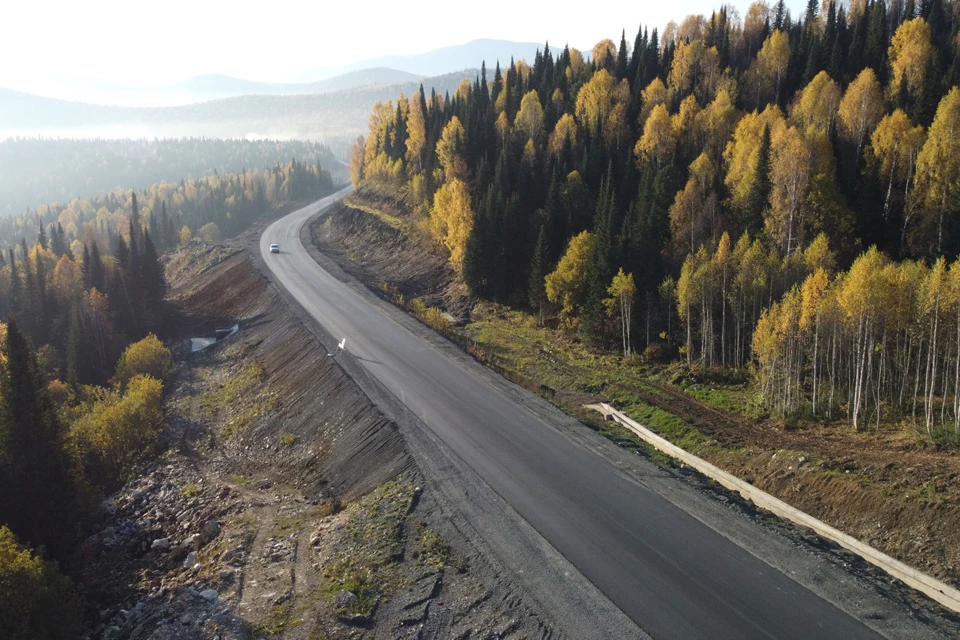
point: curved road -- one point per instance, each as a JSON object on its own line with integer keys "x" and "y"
{"x": 670, "y": 573}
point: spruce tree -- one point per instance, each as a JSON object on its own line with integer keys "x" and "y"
{"x": 73, "y": 349}
{"x": 780, "y": 16}
{"x": 134, "y": 219}
{"x": 57, "y": 242}
{"x": 16, "y": 295}
{"x": 134, "y": 266}
{"x": 599, "y": 270}
{"x": 42, "y": 322}
{"x": 759, "y": 193}
{"x": 153, "y": 281}
{"x": 633, "y": 70}
{"x": 29, "y": 290}
{"x": 537, "y": 291}
{"x": 98, "y": 274}
{"x": 621, "y": 67}
{"x": 85, "y": 267}
{"x": 36, "y": 490}
{"x": 164, "y": 233}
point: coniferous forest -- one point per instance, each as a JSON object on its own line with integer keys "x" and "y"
{"x": 767, "y": 192}
{"x": 88, "y": 280}
{"x": 82, "y": 290}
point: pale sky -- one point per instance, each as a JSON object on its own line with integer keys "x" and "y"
{"x": 158, "y": 43}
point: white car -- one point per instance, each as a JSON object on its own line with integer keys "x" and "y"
{"x": 274, "y": 248}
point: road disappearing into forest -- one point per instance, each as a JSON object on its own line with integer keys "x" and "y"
{"x": 670, "y": 573}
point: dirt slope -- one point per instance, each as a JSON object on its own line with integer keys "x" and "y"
{"x": 285, "y": 505}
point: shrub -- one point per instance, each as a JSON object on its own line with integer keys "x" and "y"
{"x": 114, "y": 431}
{"x": 209, "y": 232}
{"x": 659, "y": 352}
{"x": 147, "y": 357}
{"x": 437, "y": 319}
{"x": 36, "y": 601}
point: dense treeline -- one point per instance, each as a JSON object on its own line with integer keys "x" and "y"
{"x": 36, "y": 171}
{"x": 80, "y": 367}
{"x": 882, "y": 337}
{"x": 81, "y": 377}
{"x": 61, "y": 449}
{"x": 173, "y": 209}
{"x": 702, "y": 176}
{"x": 92, "y": 281}
{"x": 64, "y": 438}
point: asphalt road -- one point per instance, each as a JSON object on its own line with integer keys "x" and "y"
{"x": 670, "y": 573}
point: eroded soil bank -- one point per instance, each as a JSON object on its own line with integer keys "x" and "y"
{"x": 285, "y": 505}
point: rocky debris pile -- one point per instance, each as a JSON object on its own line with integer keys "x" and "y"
{"x": 193, "y": 259}
{"x": 163, "y": 559}
{"x": 276, "y": 550}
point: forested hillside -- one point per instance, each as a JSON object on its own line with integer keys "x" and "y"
{"x": 84, "y": 279}
{"x": 765, "y": 191}
{"x": 82, "y": 288}
{"x": 80, "y": 383}
{"x": 37, "y": 171}
{"x": 224, "y": 205}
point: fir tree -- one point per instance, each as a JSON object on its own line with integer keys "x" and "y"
{"x": 97, "y": 274}
{"x": 36, "y": 491}
{"x": 537, "y": 292}
{"x": 16, "y": 295}
{"x": 154, "y": 283}
{"x": 759, "y": 194}
{"x": 135, "y": 223}
{"x": 73, "y": 349}
{"x": 599, "y": 271}
{"x": 621, "y": 67}
{"x": 780, "y": 16}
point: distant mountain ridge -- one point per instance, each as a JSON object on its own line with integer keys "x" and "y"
{"x": 215, "y": 86}
{"x": 317, "y": 116}
{"x": 445, "y": 59}
{"x": 383, "y": 70}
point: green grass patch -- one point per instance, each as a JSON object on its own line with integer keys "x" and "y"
{"x": 289, "y": 439}
{"x": 548, "y": 358}
{"x": 743, "y": 400}
{"x": 364, "y": 558}
{"x": 285, "y": 525}
{"x": 275, "y": 622}
{"x": 250, "y": 376}
{"x": 434, "y": 550}
{"x": 671, "y": 427}
{"x": 240, "y": 400}
{"x": 395, "y": 222}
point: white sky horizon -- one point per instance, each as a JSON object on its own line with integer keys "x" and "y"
{"x": 47, "y": 45}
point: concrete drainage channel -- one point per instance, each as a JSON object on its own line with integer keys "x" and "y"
{"x": 935, "y": 589}
{"x": 199, "y": 344}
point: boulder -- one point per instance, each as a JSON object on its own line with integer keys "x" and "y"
{"x": 161, "y": 544}
{"x": 195, "y": 541}
{"x": 209, "y": 531}
{"x": 344, "y": 599}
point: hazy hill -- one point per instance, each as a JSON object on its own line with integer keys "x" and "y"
{"x": 384, "y": 70}
{"x": 36, "y": 171}
{"x": 215, "y": 86}
{"x": 307, "y": 116}
{"x": 446, "y": 59}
